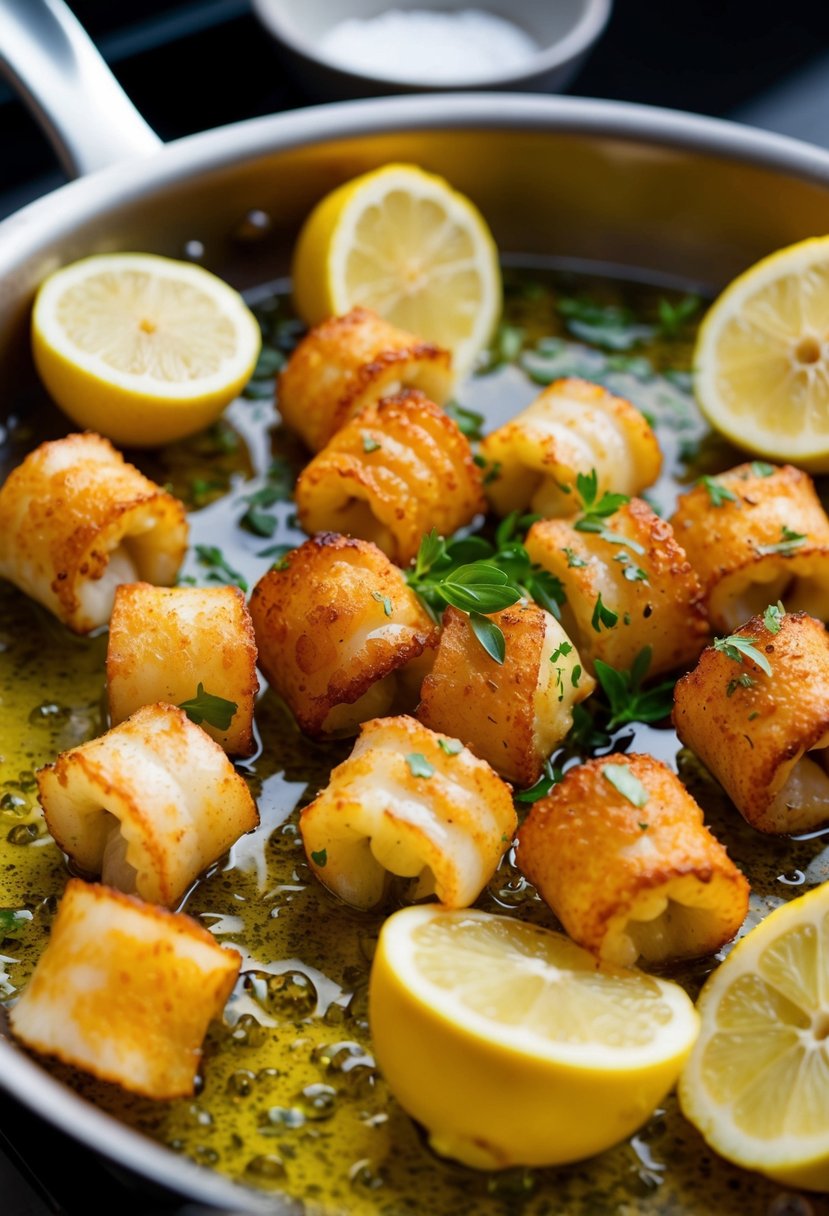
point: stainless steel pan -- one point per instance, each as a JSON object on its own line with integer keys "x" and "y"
{"x": 676, "y": 196}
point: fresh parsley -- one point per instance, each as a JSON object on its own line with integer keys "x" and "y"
{"x": 603, "y": 616}
{"x": 450, "y": 746}
{"x": 717, "y": 492}
{"x": 672, "y": 317}
{"x": 384, "y": 600}
{"x": 205, "y": 707}
{"x": 370, "y": 444}
{"x": 550, "y": 776}
{"x": 760, "y": 469}
{"x": 469, "y": 422}
{"x": 214, "y": 560}
{"x": 626, "y": 782}
{"x": 627, "y": 700}
{"x": 743, "y": 681}
{"x": 320, "y": 858}
{"x": 611, "y": 327}
{"x": 419, "y": 765}
{"x": 773, "y": 617}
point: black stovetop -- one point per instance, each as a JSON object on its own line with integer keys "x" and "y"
{"x": 193, "y": 64}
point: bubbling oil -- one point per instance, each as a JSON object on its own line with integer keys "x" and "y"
{"x": 289, "y": 1100}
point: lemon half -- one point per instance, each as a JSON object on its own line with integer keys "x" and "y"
{"x": 512, "y": 1045}
{"x": 402, "y": 242}
{"x": 142, "y": 349}
{"x": 762, "y": 357}
{"x": 757, "y": 1083}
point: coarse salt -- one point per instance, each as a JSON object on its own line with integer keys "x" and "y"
{"x": 423, "y": 47}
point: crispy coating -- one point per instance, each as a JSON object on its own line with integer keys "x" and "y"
{"x": 349, "y": 362}
{"x": 572, "y": 427}
{"x": 76, "y": 520}
{"x": 148, "y": 806}
{"x": 164, "y": 642}
{"x": 125, "y": 991}
{"x": 663, "y": 610}
{"x": 740, "y": 548}
{"x": 403, "y": 805}
{"x": 341, "y": 636}
{"x": 765, "y": 740}
{"x": 629, "y": 880}
{"x": 512, "y": 715}
{"x": 396, "y": 470}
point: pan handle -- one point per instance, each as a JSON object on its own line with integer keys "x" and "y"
{"x": 49, "y": 58}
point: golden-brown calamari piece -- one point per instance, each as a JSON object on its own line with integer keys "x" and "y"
{"x": 125, "y": 991}
{"x": 514, "y": 714}
{"x": 341, "y": 636}
{"x": 572, "y": 427}
{"x": 348, "y": 362}
{"x": 663, "y": 610}
{"x": 404, "y": 805}
{"x": 76, "y": 520}
{"x": 770, "y": 542}
{"x": 148, "y": 806}
{"x": 392, "y": 473}
{"x": 630, "y": 878}
{"x": 764, "y": 740}
{"x": 165, "y": 642}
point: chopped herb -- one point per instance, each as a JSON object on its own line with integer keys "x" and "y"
{"x": 269, "y": 363}
{"x": 419, "y": 765}
{"x": 276, "y": 551}
{"x": 450, "y": 746}
{"x": 320, "y": 858}
{"x": 631, "y": 572}
{"x": 490, "y": 635}
{"x": 627, "y": 701}
{"x": 469, "y": 422}
{"x": 744, "y": 681}
{"x": 574, "y": 562}
{"x": 587, "y": 488}
{"x": 717, "y": 492}
{"x": 549, "y": 777}
{"x": 575, "y": 675}
{"x": 643, "y": 827}
{"x": 602, "y": 615}
{"x": 212, "y": 557}
{"x": 773, "y": 617}
{"x": 760, "y": 469}
{"x": 626, "y": 782}
{"x": 370, "y": 444}
{"x": 205, "y": 707}
{"x": 513, "y": 527}
{"x": 755, "y": 714}
{"x": 736, "y": 647}
{"x": 607, "y": 326}
{"x": 13, "y": 918}
{"x": 564, "y": 649}
{"x": 202, "y": 488}
{"x": 281, "y": 563}
{"x": 789, "y": 541}
{"x": 384, "y": 600}
{"x": 672, "y": 317}
{"x": 259, "y": 522}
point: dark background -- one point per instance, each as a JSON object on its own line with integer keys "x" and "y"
{"x": 194, "y": 64}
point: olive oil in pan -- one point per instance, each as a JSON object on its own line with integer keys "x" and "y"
{"x": 289, "y": 1098}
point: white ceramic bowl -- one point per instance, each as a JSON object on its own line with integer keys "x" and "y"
{"x": 564, "y": 30}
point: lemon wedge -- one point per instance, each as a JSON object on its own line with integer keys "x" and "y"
{"x": 142, "y": 349}
{"x": 762, "y": 357}
{"x": 757, "y": 1083}
{"x": 402, "y": 242}
{"x": 512, "y": 1045}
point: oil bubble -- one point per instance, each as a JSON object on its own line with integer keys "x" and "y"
{"x": 317, "y": 1102}
{"x": 266, "y": 1170}
{"x": 248, "y": 1032}
{"x": 240, "y": 1084}
{"x": 22, "y": 833}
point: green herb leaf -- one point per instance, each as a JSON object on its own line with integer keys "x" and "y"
{"x": 259, "y": 522}
{"x": 370, "y": 444}
{"x": 574, "y": 562}
{"x": 737, "y": 647}
{"x": 760, "y": 469}
{"x": 626, "y": 782}
{"x": 320, "y": 858}
{"x": 789, "y": 541}
{"x": 564, "y": 649}
{"x": 478, "y": 587}
{"x": 575, "y": 675}
{"x": 451, "y": 746}
{"x": 717, "y": 492}
{"x": 419, "y": 765}
{"x": 672, "y": 317}
{"x": 607, "y": 326}
{"x": 744, "y": 681}
{"x": 13, "y": 918}
{"x": 205, "y": 707}
{"x": 627, "y": 701}
{"x": 550, "y": 776}
{"x": 490, "y": 635}
{"x": 384, "y": 600}
{"x": 603, "y": 616}
{"x": 773, "y": 617}
{"x": 212, "y": 557}
{"x": 469, "y": 422}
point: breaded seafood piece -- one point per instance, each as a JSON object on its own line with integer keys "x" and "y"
{"x": 754, "y": 535}
{"x": 148, "y": 806}
{"x": 340, "y": 634}
{"x": 125, "y": 991}
{"x": 512, "y": 714}
{"x": 619, "y": 851}
{"x": 164, "y": 643}
{"x": 412, "y": 803}
{"x": 393, "y": 472}
{"x": 764, "y": 737}
{"x": 572, "y": 427}
{"x": 645, "y": 582}
{"x": 349, "y": 362}
{"x": 76, "y": 521}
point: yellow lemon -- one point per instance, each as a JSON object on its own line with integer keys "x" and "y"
{"x": 757, "y": 1083}
{"x": 142, "y": 349}
{"x": 762, "y": 357}
{"x": 404, "y": 243}
{"x": 512, "y": 1045}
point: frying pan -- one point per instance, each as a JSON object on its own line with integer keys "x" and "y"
{"x": 681, "y": 198}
